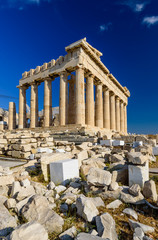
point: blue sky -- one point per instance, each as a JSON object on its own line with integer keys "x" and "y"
{"x": 125, "y": 31}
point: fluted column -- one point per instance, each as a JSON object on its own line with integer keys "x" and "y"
{"x": 79, "y": 99}
{"x": 90, "y": 100}
{"x": 34, "y": 106}
{"x": 71, "y": 111}
{"x": 122, "y": 117}
{"x": 62, "y": 100}
{"x": 106, "y": 109}
{"x": 12, "y": 116}
{"x": 22, "y": 107}
{"x": 47, "y": 102}
{"x": 117, "y": 114}
{"x": 99, "y": 106}
{"x": 112, "y": 112}
{"x": 125, "y": 118}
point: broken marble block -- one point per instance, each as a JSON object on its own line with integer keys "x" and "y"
{"x": 138, "y": 174}
{"x": 62, "y": 170}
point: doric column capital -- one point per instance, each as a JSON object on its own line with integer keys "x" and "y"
{"x": 35, "y": 83}
{"x": 105, "y": 88}
{"x": 23, "y": 87}
{"x": 49, "y": 78}
{"x": 117, "y": 98}
{"x": 112, "y": 93}
{"x": 98, "y": 82}
{"x": 89, "y": 75}
{"x": 80, "y": 66}
{"x": 64, "y": 72}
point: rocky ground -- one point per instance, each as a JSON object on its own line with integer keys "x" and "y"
{"x": 99, "y": 204}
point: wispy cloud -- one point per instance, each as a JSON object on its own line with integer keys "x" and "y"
{"x": 149, "y": 21}
{"x": 20, "y": 4}
{"x": 105, "y": 27}
{"x": 135, "y": 5}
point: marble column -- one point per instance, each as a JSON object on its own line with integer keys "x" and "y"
{"x": 12, "y": 116}
{"x": 80, "y": 99}
{"x": 71, "y": 111}
{"x": 122, "y": 118}
{"x": 125, "y": 118}
{"x": 67, "y": 104}
{"x": 22, "y": 107}
{"x": 90, "y": 100}
{"x": 112, "y": 112}
{"x": 99, "y": 106}
{"x": 47, "y": 102}
{"x": 34, "y": 106}
{"x": 63, "y": 98}
{"x": 106, "y": 109}
{"x": 117, "y": 114}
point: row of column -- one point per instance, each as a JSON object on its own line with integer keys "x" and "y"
{"x": 108, "y": 112}
{"x": 34, "y": 105}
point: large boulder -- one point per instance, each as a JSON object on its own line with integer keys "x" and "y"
{"x": 91, "y": 163}
{"x": 98, "y": 202}
{"x": 137, "y": 158}
{"x": 25, "y": 192}
{"x": 106, "y": 226}
{"x": 134, "y": 190}
{"x": 99, "y": 177}
{"x": 145, "y": 149}
{"x": 29, "y": 231}
{"x": 130, "y": 212}
{"x": 38, "y": 209}
{"x": 16, "y": 187}
{"x": 6, "y": 180}
{"x": 86, "y": 208}
{"x": 144, "y": 227}
{"x": 7, "y": 221}
{"x": 114, "y": 204}
{"x": 128, "y": 198}
{"x": 116, "y": 158}
{"x": 149, "y": 190}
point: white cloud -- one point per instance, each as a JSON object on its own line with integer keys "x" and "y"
{"x": 135, "y": 5}
{"x": 105, "y": 27}
{"x": 150, "y": 20}
{"x": 139, "y": 7}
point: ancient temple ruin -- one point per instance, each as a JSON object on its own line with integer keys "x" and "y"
{"x": 80, "y": 70}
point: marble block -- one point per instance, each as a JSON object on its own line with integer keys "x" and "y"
{"x": 138, "y": 174}
{"x": 107, "y": 143}
{"x": 62, "y": 170}
{"x": 118, "y": 143}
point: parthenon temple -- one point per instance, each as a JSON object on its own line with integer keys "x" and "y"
{"x": 82, "y": 74}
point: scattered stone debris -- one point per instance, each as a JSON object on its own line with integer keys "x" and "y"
{"x": 102, "y": 188}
